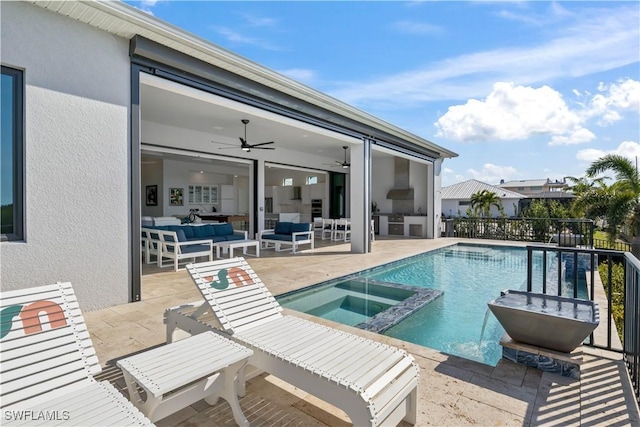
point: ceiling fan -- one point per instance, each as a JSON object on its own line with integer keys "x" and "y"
{"x": 244, "y": 145}
{"x": 345, "y": 164}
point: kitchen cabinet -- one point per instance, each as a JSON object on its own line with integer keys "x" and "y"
{"x": 305, "y": 194}
{"x": 227, "y": 199}
{"x": 317, "y": 191}
{"x": 203, "y": 194}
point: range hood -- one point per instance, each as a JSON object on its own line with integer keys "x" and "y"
{"x": 400, "y": 194}
{"x": 401, "y": 190}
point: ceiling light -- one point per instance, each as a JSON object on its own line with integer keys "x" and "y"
{"x": 201, "y": 171}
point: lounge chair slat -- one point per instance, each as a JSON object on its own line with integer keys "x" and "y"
{"x": 85, "y": 406}
{"x": 374, "y": 383}
{"x": 17, "y": 393}
{"x": 48, "y": 362}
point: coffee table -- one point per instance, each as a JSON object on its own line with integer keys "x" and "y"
{"x": 234, "y": 244}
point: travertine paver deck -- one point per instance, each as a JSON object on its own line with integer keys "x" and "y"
{"x": 452, "y": 391}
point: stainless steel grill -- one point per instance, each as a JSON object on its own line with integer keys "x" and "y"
{"x": 396, "y": 224}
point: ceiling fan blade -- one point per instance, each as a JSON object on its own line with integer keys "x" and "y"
{"x": 263, "y": 148}
{"x": 262, "y": 143}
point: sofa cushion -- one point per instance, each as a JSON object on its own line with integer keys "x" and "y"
{"x": 189, "y": 249}
{"x": 204, "y": 231}
{"x": 188, "y": 231}
{"x": 283, "y": 237}
{"x": 235, "y": 237}
{"x": 283, "y": 228}
{"x": 225, "y": 229}
{"x": 298, "y": 227}
{"x": 179, "y": 234}
{"x": 218, "y": 239}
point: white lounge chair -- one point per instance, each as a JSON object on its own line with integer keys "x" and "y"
{"x": 48, "y": 363}
{"x": 375, "y": 384}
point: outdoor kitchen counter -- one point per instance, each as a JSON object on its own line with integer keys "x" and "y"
{"x": 412, "y": 225}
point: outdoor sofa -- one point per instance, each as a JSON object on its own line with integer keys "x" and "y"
{"x": 291, "y": 234}
{"x": 178, "y": 242}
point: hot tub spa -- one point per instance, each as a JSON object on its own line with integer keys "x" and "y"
{"x": 554, "y": 322}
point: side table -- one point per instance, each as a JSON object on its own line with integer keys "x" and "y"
{"x": 176, "y": 375}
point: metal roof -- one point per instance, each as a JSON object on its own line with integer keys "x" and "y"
{"x": 464, "y": 190}
{"x": 126, "y": 21}
{"x": 525, "y": 183}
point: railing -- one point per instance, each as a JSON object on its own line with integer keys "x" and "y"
{"x": 565, "y": 232}
{"x": 573, "y": 265}
{"x": 616, "y": 246}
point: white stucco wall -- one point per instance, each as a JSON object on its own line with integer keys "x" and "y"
{"x": 76, "y": 115}
{"x": 451, "y": 208}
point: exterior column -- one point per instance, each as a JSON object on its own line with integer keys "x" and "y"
{"x": 434, "y": 224}
{"x": 360, "y": 197}
{"x": 259, "y": 192}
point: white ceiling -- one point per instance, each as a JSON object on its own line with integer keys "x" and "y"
{"x": 176, "y": 105}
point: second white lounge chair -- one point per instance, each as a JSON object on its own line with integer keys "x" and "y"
{"x": 375, "y": 384}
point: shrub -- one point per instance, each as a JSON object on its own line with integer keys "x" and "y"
{"x": 617, "y": 292}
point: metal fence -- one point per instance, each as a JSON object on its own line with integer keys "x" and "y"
{"x": 564, "y": 232}
{"x": 573, "y": 264}
{"x": 616, "y": 246}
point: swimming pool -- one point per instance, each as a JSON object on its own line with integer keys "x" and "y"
{"x": 458, "y": 322}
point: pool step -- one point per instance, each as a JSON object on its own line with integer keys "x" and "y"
{"x": 386, "y": 319}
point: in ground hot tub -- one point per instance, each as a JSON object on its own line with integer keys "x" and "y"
{"x": 553, "y": 322}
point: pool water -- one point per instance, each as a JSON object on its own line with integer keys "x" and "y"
{"x": 458, "y": 322}
{"x": 350, "y": 302}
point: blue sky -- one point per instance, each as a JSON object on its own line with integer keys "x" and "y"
{"x": 520, "y": 90}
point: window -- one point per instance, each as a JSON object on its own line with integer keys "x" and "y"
{"x": 312, "y": 180}
{"x": 464, "y": 203}
{"x": 287, "y": 182}
{"x": 11, "y": 155}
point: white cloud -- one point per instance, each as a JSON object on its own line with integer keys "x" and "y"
{"x": 256, "y": 21}
{"x": 236, "y": 37}
{"x": 416, "y": 27}
{"x": 628, "y": 149}
{"x": 492, "y": 174}
{"x": 512, "y": 112}
{"x": 579, "y": 136}
{"x": 621, "y": 96}
{"x": 300, "y": 74}
{"x": 611, "y": 35}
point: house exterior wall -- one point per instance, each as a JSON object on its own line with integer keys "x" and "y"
{"x": 76, "y": 142}
{"x": 451, "y": 208}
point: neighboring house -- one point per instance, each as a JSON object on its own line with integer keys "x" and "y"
{"x": 535, "y": 189}
{"x": 456, "y": 198}
{"x": 109, "y": 112}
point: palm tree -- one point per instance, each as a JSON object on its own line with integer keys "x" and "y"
{"x": 587, "y": 194}
{"x": 618, "y": 202}
{"x": 481, "y": 201}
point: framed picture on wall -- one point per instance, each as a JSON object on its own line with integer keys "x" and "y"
{"x": 176, "y": 197}
{"x": 152, "y": 195}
